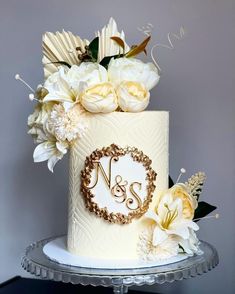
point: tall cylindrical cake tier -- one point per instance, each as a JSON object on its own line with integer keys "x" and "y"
{"x": 88, "y": 234}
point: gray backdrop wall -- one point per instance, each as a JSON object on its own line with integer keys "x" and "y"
{"x": 197, "y": 87}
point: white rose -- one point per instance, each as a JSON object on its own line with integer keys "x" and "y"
{"x": 100, "y": 98}
{"x": 132, "y": 96}
{"x": 132, "y": 69}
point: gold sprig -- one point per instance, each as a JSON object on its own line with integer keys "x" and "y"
{"x": 195, "y": 184}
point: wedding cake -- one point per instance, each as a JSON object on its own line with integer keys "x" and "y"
{"x": 92, "y": 103}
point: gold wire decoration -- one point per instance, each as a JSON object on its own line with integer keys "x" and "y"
{"x": 114, "y": 151}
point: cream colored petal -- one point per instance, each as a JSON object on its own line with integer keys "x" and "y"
{"x": 52, "y": 162}
{"x": 43, "y": 151}
{"x": 159, "y": 236}
{"x": 182, "y": 231}
{"x": 62, "y": 147}
{"x": 57, "y": 96}
{"x": 153, "y": 216}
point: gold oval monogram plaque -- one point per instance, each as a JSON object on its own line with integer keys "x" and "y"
{"x": 118, "y": 183}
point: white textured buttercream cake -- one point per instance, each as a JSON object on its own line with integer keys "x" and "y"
{"x": 93, "y": 102}
{"x": 88, "y": 233}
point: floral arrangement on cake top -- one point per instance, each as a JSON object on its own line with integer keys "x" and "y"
{"x": 84, "y": 78}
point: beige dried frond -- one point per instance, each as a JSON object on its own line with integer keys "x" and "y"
{"x": 195, "y": 184}
{"x": 60, "y": 46}
{"x": 107, "y": 46}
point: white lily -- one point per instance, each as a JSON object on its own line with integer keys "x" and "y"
{"x": 59, "y": 88}
{"x": 169, "y": 220}
{"x": 50, "y": 150}
{"x": 191, "y": 245}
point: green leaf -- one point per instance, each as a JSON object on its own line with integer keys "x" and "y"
{"x": 203, "y": 209}
{"x": 61, "y": 63}
{"x": 94, "y": 48}
{"x": 181, "y": 248}
{"x": 105, "y": 61}
{"x": 170, "y": 182}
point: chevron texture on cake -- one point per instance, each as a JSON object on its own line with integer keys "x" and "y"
{"x": 89, "y": 235}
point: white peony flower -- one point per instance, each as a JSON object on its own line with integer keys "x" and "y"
{"x": 87, "y": 73}
{"x": 100, "y": 98}
{"x": 50, "y": 150}
{"x": 67, "y": 124}
{"x": 132, "y": 96}
{"x": 169, "y": 220}
{"x": 132, "y": 69}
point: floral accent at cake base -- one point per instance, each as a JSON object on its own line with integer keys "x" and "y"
{"x": 170, "y": 226}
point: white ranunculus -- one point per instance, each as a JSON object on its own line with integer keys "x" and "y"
{"x": 132, "y": 96}
{"x": 132, "y": 69}
{"x": 100, "y": 98}
{"x": 50, "y": 150}
{"x": 37, "y": 122}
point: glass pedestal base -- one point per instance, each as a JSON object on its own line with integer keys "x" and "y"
{"x": 36, "y": 262}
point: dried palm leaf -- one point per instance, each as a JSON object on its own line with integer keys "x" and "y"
{"x": 107, "y": 46}
{"x": 60, "y": 47}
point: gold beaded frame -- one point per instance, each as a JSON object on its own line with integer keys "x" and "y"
{"x": 90, "y": 165}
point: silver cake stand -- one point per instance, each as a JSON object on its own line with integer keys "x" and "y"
{"x": 36, "y": 262}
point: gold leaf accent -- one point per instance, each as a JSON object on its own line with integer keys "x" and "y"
{"x": 139, "y": 48}
{"x": 119, "y": 41}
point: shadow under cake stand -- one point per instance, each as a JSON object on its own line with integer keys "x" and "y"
{"x": 36, "y": 262}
